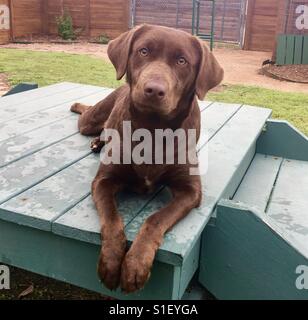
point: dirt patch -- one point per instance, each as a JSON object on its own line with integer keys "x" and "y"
{"x": 4, "y": 85}
{"x": 44, "y": 288}
{"x": 292, "y": 73}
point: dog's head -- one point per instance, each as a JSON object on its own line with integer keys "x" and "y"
{"x": 162, "y": 65}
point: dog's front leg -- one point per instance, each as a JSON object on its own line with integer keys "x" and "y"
{"x": 138, "y": 261}
{"x": 112, "y": 231}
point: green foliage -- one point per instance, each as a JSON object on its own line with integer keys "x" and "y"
{"x": 65, "y": 27}
{"x": 103, "y": 39}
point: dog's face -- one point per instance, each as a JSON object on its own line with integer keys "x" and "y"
{"x": 163, "y": 65}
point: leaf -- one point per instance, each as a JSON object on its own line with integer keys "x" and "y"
{"x": 26, "y": 292}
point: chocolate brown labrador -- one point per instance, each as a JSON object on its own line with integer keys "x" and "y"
{"x": 166, "y": 70}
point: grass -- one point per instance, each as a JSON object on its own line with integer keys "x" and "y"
{"x": 46, "y": 68}
{"x": 285, "y": 105}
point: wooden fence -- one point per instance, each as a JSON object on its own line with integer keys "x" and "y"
{"x": 93, "y": 17}
{"x": 229, "y": 16}
{"x": 266, "y": 19}
{"x": 292, "y": 49}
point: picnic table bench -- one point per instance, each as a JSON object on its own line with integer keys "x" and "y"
{"x": 48, "y": 223}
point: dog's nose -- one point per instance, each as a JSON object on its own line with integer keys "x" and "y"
{"x": 154, "y": 90}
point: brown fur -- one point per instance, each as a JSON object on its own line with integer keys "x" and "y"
{"x": 161, "y": 93}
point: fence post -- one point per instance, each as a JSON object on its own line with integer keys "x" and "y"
{"x": 5, "y": 21}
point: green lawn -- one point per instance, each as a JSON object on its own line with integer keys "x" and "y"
{"x": 49, "y": 67}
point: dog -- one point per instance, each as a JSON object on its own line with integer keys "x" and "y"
{"x": 166, "y": 70}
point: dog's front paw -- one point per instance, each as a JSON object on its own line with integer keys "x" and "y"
{"x": 109, "y": 263}
{"x": 136, "y": 270}
{"x": 97, "y": 145}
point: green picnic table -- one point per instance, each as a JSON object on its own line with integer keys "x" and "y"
{"x": 254, "y": 196}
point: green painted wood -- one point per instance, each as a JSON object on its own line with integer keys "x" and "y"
{"x": 290, "y": 49}
{"x": 69, "y": 96}
{"x": 281, "y": 50}
{"x": 223, "y": 157}
{"x": 256, "y": 186}
{"x": 21, "y": 87}
{"x": 298, "y": 49}
{"x": 305, "y": 50}
{"x": 221, "y": 113}
{"x": 281, "y": 139}
{"x": 189, "y": 267}
{"x": 40, "y": 205}
{"x": 75, "y": 262}
{"x": 26, "y": 123}
{"x": 77, "y": 227}
{"x": 27, "y": 172}
{"x": 82, "y": 222}
{"x": 244, "y": 257}
{"x": 32, "y": 95}
{"x": 289, "y": 203}
{"x": 32, "y": 133}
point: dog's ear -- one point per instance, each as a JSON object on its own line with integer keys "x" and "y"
{"x": 118, "y": 51}
{"x": 210, "y": 72}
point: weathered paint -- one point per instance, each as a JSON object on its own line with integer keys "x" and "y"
{"x": 246, "y": 256}
{"x": 281, "y": 139}
{"x": 256, "y": 187}
{"x": 288, "y": 206}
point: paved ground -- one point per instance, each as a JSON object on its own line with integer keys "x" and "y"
{"x": 241, "y": 67}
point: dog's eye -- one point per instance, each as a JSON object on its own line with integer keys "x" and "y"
{"x": 181, "y": 61}
{"x": 144, "y": 52}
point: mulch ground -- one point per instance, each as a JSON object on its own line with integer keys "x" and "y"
{"x": 29, "y": 286}
{"x": 293, "y": 73}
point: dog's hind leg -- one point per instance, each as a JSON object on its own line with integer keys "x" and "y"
{"x": 92, "y": 119}
{"x": 79, "y": 108}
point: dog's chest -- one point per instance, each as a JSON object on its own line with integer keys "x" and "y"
{"x": 148, "y": 177}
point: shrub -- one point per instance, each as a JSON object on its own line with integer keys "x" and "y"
{"x": 65, "y": 27}
{"x": 103, "y": 39}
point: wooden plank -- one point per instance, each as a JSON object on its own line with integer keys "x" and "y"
{"x": 245, "y": 257}
{"x": 281, "y": 50}
{"x": 27, "y": 172}
{"x": 305, "y": 50}
{"x": 256, "y": 187}
{"x": 298, "y": 49}
{"x": 44, "y": 103}
{"x": 290, "y": 49}
{"x": 272, "y": 141}
{"x": 32, "y": 95}
{"x": 221, "y": 113}
{"x": 32, "y": 121}
{"x": 31, "y": 133}
{"x": 39, "y": 205}
{"x": 77, "y": 225}
{"x": 289, "y": 203}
